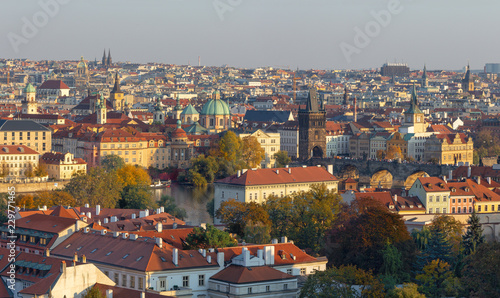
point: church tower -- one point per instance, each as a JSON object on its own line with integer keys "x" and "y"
{"x": 158, "y": 115}
{"x": 468, "y": 82}
{"x": 109, "y": 62}
{"x": 177, "y": 109}
{"x": 29, "y": 104}
{"x": 346, "y": 97}
{"x": 312, "y": 129}
{"x": 104, "y": 58}
{"x": 414, "y": 116}
{"x": 425, "y": 80}
{"x": 101, "y": 111}
{"x": 116, "y": 96}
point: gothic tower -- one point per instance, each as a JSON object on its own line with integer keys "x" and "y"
{"x": 414, "y": 116}
{"x": 177, "y": 109}
{"x": 346, "y": 98}
{"x": 116, "y": 96}
{"x": 425, "y": 80}
{"x": 101, "y": 111}
{"x": 468, "y": 82}
{"x": 29, "y": 104}
{"x": 312, "y": 129}
{"x": 158, "y": 115}
{"x": 109, "y": 62}
{"x": 104, "y": 58}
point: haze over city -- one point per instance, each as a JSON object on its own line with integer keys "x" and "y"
{"x": 285, "y": 33}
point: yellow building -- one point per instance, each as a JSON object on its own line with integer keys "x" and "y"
{"x": 16, "y": 160}
{"x": 449, "y": 149}
{"x": 433, "y": 192}
{"x": 397, "y": 140}
{"x": 63, "y": 166}
{"x": 26, "y": 132}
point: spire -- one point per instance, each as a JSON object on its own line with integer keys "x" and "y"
{"x": 312, "y": 101}
{"x": 345, "y": 95}
{"x": 424, "y": 75}
{"x": 414, "y": 109}
{"x": 116, "y": 88}
{"x": 109, "y": 57}
{"x": 104, "y": 58}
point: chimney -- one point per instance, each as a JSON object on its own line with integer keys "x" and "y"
{"x": 133, "y": 237}
{"x": 116, "y": 234}
{"x": 450, "y": 175}
{"x": 159, "y": 227}
{"x": 106, "y": 220}
{"x": 209, "y": 259}
{"x": 469, "y": 171}
{"x": 174, "y": 225}
{"x": 143, "y": 295}
{"x": 134, "y": 216}
{"x": 220, "y": 259}
{"x": 204, "y": 253}
{"x": 444, "y": 179}
{"x": 109, "y": 293}
{"x": 89, "y": 214}
{"x": 239, "y": 173}
{"x": 44, "y": 208}
{"x": 99, "y": 222}
{"x": 87, "y": 205}
{"x": 86, "y": 230}
{"x": 175, "y": 256}
{"x": 162, "y": 209}
{"x": 84, "y": 259}
{"x": 274, "y": 241}
{"x": 269, "y": 255}
{"x": 158, "y": 211}
{"x": 489, "y": 180}
{"x": 330, "y": 169}
{"x": 246, "y": 256}
{"x": 103, "y": 232}
{"x": 124, "y": 235}
{"x": 284, "y": 239}
{"x": 260, "y": 254}
{"x": 75, "y": 257}
{"x": 395, "y": 198}
{"x": 97, "y": 209}
{"x": 289, "y": 170}
{"x": 479, "y": 180}
{"x": 278, "y": 172}
{"x": 159, "y": 242}
{"x": 47, "y": 252}
{"x": 203, "y": 225}
{"x": 63, "y": 267}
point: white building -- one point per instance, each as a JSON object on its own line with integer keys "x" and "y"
{"x": 289, "y": 138}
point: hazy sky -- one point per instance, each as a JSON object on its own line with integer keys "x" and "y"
{"x": 444, "y": 34}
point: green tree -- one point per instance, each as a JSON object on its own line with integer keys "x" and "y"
{"x": 451, "y": 227}
{"x": 438, "y": 247}
{"x": 392, "y": 271}
{"x": 112, "y": 162}
{"x": 93, "y": 292}
{"x": 251, "y": 151}
{"x": 205, "y": 167}
{"x": 481, "y": 273}
{"x": 236, "y": 215}
{"x": 421, "y": 237}
{"x": 196, "y": 178}
{"x": 230, "y": 147}
{"x": 437, "y": 280}
{"x": 4, "y": 206}
{"x": 168, "y": 203}
{"x": 257, "y": 233}
{"x": 361, "y": 231}
{"x": 95, "y": 187}
{"x": 340, "y": 282}
{"x": 136, "y": 197}
{"x": 282, "y": 159}
{"x": 211, "y": 237}
{"x": 409, "y": 290}
{"x": 474, "y": 235}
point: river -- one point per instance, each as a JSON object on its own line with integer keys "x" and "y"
{"x": 194, "y": 200}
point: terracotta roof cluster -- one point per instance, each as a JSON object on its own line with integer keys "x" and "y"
{"x": 242, "y": 275}
{"x": 394, "y": 202}
{"x": 433, "y": 184}
{"x": 16, "y": 150}
{"x": 280, "y": 176}
{"x": 53, "y": 84}
{"x": 58, "y": 158}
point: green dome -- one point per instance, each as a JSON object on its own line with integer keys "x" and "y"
{"x": 81, "y": 64}
{"x": 29, "y": 89}
{"x": 189, "y": 110}
{"x": 215, "y": 107}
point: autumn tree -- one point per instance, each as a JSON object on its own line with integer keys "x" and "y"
{"x": 4, "y": 206}
{"x": 112, "y": 162}
{"x": 25, "y": 201}
{"x": 236, "y": 215}
{"x": 257, "y": 233}
{"x": 437, "y": 280}
{"x": 130, "y": 175}
{"x": 394, "y": 152}
{"x": 481, "y": 273}
{"x": 381, "y": 154}
{"x": 282, "y": 159}
{"x": 409, "y": 290}
{"x": 361, "y": 231}
{"x": 251, "y": 151}
{"x": 4, "y": 170}
{"x": 41, "y": 170}
{"x": 54, "y": 198}
{"x": 93, "y": 292}
{"x": 30, "y": 171}
{"x": 209, "y": 237}
{"x": 341, "y": 282}
{"x": 451, "y": 227}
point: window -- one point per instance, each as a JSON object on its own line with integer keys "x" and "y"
{"x": 302, "y": 271}
{"x": 453, "y": 201}
{"x": 430, "y": 210}
{"x": 163, "y": 283}
{"x": 132, "y": 282}
{"x": 249, "y": 290}
{"x": 285, "y": 287}
{"x": 444, "y": 210}
{"x": 470, "y": 200}
{"x": 430, "y": 198}
{"x": 185, "y": 281}
{"x": 452, "y": 209}
{"x": 117, "y": 278}
{"x": 458, "y": 209}
{"x": 289, "y": 271}
{"x": 492, "y": 207}
{"x": 268, "y": 289}
{"x": 438, "y": 198}
{"x": 140, "y": 286}
{"x": 201, "y": 280}
{"x": 124, "y": 280}
{"x": 470, "y": 209}
{"x": 485, "y": 207}
{"x": 479, "y": 208}
{"x": 460, "y": 200}
{"x": 437, "y": 210}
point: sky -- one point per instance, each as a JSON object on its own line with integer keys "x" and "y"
{"x": 305, "y": 34}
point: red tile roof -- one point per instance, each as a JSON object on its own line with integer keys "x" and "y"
{"x": 53, "y": 84}
{"x": 45, "y": 223}
{"x": 243, "y": 275}
{"x": 433, "y": 184}
{"x": 16, "y": 149}
{"x": 280, "y": 176}
{"x": 128, "y": 293}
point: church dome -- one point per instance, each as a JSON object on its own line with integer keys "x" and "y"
{"x": 81, "y": 64}
{"x": 29, "y": 89}
{"x": 215, "y": 107}
{"x": 179, "y": 133}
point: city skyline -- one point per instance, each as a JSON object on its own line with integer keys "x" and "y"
{"x": 318, "y": 34}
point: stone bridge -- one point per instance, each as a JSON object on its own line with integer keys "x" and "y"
{"x": 366, "y": 169}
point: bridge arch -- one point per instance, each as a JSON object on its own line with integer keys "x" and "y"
{"x": 349, "y": 171}
{"x": 382, "y": 177}
{"x": 413, "y": 177}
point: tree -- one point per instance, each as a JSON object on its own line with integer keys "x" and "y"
{"x": 474, "y": 235}
{"x": 112, "y": 162}
{"x": 54, "y": 198}
{"x": 25, "y": 201}
{"x": 437, "y": 280}
{"x": 236, "y": 215}
{"x": 257, "y": 233}
{"x": 282, "y": 159}
{"x": 168, "y": 203}
{"x": 93, "y": 292}
{"x": 211, "y": 237}
{"x": 4, "y": 206}
{"x": 451, "y": 227}
{"x": 41, "y": 170}
{"x": 29, "y": 172}
{"x": 130, "y": 175}
{"x": 438, "y": 247}
{"x": 340, "y": 282}
{"x": 409, "y": 290}
{"x": 95, "y": 187}
{"x": 421, "y": 237}
{"x": 196, "y": 178}
{"x": 481, "y": 274}
{"x": 381, "y": 154}
{"x": 251, "y": 151}
{"x": 4, "y": 170}
{"x": 203, "y": 167}
{"x": 392, "y": 267}
{"x": 230, "y": 147}
{"x": 394, "y": 152}
{"x": 361, "y": 231}
{"x": 136, "y": 197}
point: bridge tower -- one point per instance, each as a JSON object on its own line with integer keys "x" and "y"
{"x": 312, "y": 129}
